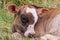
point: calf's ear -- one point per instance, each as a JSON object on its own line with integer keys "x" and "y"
{"x": 42, "y": 12}
{"x": 13, "y": 8}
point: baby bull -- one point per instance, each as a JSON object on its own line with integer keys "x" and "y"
{"x": 33, "y": 21}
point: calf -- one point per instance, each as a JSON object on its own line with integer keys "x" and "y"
{"x": 33, "y": 21}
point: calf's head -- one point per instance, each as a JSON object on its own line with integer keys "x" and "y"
{"x": 26, "y": 17}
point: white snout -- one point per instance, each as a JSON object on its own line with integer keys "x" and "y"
{"x": 30, "y": 30}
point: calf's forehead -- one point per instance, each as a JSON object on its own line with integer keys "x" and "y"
{"x": 24, "y": 7}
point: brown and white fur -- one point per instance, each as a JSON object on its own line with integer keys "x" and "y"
{"x": 43, "y": 22}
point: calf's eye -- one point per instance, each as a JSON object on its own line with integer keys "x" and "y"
{"x": 24, "y": 18}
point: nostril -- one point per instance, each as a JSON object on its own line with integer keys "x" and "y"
{"x": 31, "y": 35}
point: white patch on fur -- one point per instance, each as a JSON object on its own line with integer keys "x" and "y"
{"x": 16, "y": 35}
{"x": 49, "y": 37}
{"x": 55, "y": 24}
{"x": 30, "y": 28}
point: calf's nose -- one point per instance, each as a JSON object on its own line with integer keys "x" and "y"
{"x": 31, "y": 35}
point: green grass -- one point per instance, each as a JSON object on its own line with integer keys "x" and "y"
{"x": 5, "y": 25}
